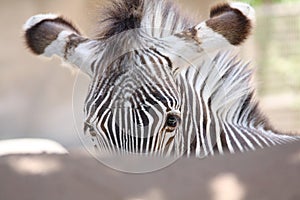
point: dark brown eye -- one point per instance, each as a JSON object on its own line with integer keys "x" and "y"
{"x": 172, "y": 122}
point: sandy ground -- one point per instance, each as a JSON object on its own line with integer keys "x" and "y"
{"x": 269, "y": 174}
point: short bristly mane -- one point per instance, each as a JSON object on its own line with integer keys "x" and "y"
{"x": 157, "y": 18}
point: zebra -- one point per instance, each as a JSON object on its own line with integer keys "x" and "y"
{"x": 162, "y": 84}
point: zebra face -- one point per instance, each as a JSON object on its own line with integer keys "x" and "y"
{"x": 136, "y": 104}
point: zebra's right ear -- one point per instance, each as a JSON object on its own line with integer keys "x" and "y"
{"x": 49, "y": 34}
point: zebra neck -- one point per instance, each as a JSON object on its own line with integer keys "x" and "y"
{"x": 217, "y": 93}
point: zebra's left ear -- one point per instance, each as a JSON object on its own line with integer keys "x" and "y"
{"x": 233, "y": 21}
{"x": 229, "y": 25}
{"x": 49, "y": 34}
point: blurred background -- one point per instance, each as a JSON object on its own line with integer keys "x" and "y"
{"x": 36, "y": 94}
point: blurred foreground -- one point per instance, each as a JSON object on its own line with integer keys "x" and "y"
{"x": 270, "y": 174}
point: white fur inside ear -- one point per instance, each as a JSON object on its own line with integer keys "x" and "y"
{"x": 245, "y": 8}
{"x": 32, "y": 21}
{"x": 210, "y": 40}
{"x": 57, "y": 47}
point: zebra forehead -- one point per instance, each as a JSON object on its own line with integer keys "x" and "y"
{"x": 139, "y": 65}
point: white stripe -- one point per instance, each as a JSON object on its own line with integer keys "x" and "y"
{"x": 236, "y": 141}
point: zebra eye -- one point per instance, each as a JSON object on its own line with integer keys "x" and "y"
{"x": 172, "y": 122}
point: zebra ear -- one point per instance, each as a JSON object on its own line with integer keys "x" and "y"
{"x": 49, "y": 34}
{"x": 229, "y": 25}
{"x": 233, "y": 21}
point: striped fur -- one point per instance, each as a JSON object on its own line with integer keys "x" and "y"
{"x": 158, "y": 86}
{"x": 222, "y": 96}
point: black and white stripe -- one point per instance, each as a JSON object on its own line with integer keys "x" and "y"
{"x": 218, "y": 95}
{"x": 158, "y": 86}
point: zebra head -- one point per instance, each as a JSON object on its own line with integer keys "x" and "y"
{"x": 134, "y": 103}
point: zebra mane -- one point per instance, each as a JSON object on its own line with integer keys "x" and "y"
{"x": 226, "y": 82}
{"x": 161, "y": 18}
{"x": 222, "y": 94}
